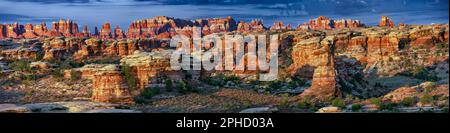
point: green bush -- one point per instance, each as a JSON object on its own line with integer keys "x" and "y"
{"x": 426, "y": 99}
{"x": 213, "y": 81}
{"x": 296, "y": 82}
{"x": 423, "y": 74}
{"x": 356, "y": 107}
{"x": 139, "y": 100}
{"x": 376, "y": 101}
{"x": 231, "y": 78}
{"x": 20, "y": 65}
{"x": 305, "y": 104}
{"x": 57, "y": 73}
{"x": 337, "y": 102}
{"x": 169, "y": 85}
{"x": 68, "y": 64}
{"x": 75, "y": 75}
{"x": 130, "y": 79}
{"x": 387, "y": 106}
{"x": 275, "y": 85}
{"x": 284, "y": 101}
{"x": 30, "y": 77}
{"x": 247, "y": 104}
{"x": 408, "y": 101}
{"x": 150, "y": 92}
{"x": 182, "y": 86}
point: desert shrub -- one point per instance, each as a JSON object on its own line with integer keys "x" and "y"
{"x": 139, "y": 100}
{"x": 376, "y": 101}
{"x": 387, "y": 106}
{"x": 75, "y": 75}
{"x": 130, "y": 79}
{"x": 356, "y": 107}
{"x": 20, "y": 65}
{"x": 305, "y": 104}
{"x": 442, "y": 46}
{"x": 349, "y": 97}
{"x": 169, "y": 85}
{"x": 247, "y": 104}
{"x": 296, "y": 82}
{"x": 423, "y": 74}
{"x": 231, "y": 78}
{"x": 284, "y": 100}
{"x": 255, "y": 82}
{"x": 68, "y": 64}
{"x": 182, "y": 86}
{"x": 213, "y": 81}
{"x": 408, "y": 101}
{"x": 426, "y": 99}
{"x": 150, "y": 92}
{"x": 338, "y": 102}
{"x": 30, "y": 77}
{"x": 275, "y": 85}
{"x": 57, "y": 73}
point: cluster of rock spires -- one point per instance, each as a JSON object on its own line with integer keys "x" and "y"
{"x": 164, "y": 27}
{"x": 329, "y": 52}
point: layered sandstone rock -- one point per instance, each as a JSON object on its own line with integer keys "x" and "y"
{"x": 108, "y": 83}
{"x": 386, "y": 22}
{"x": 216, "y": 25}
{"x": 122, "y": 48}
{"x": 105, "y": 32}
{"x": 13, "y": 30}
{"x": 53, "y": 54}
{"x": 118, "y": 33}
{"x": 324, "y": 81}
{"x": 82, "y": 53}
{"x": 29, "y": 31}
{"x": 2, "y": 31}
{"x": 65, "y": 28}
{"x": 347, "y": 23}
{"x": 95, "y": 46}
{"x": 254, "y": 25}
{"x": 280, "y": 26}
{"x": 109, "y": 86}
{"x": 324, "y": 23}
{"x": 21, "y": 53}
{"x": 149, "y": 67}
{"x": 154, "y": 26}
{"x": 40, "y": 29}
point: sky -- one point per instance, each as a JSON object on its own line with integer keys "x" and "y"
{"x": 123, "y": 12}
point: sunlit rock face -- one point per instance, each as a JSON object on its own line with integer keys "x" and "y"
{"x": 109, "y": 86}
{"x": 216, "y": 25}
{"x": 324, "y": 76}
{"x": 105, "y": 32}
{"x": 385, "y": 21}
{"x": 66, "y": 28}
{"x": 254, "y": 25}
{"x": 154, "y": 26}
{"x": 324, "y": 23}
{"x": 280, "y": 26}
{"x": 29, "y": 31}
{"x": 118, "y": 33}
{"x": 150, "y": 67}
